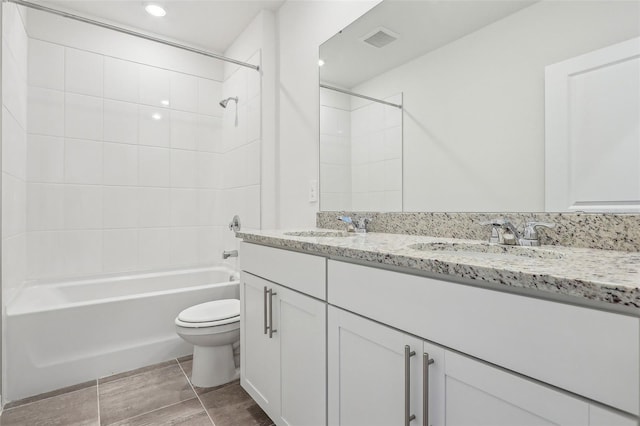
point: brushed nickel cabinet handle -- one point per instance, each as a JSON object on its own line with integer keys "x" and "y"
{"x": 426, "y": 362}
{"x": 408, "y": 417}
{"x": 266, "y": 327}
{"x": 271, "y": 329}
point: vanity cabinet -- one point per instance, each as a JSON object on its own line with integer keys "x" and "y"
{"x": 377, "y": 376}
{"x": 283, "y": 338}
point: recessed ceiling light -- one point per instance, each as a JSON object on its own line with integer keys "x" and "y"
{"x": 155, "y": 10}
{"x": 320, "y": 62}
{"x": 164, "y": 102}
{"x": 156, "y": 116}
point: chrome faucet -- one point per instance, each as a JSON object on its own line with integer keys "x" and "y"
{"x": 504, "y": 232}
{"x": 229, "y": 253}
{"x": 359, "y": 227}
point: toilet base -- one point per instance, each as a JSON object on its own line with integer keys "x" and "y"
{"x": 213, "y": 366}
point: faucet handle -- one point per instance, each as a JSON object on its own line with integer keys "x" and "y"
{"x": 361, "y": 226}
{"x": 495, "y": 224}
{"x": 530, "y": 231}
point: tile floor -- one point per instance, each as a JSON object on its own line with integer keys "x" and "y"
{"x": 160, "y": 394}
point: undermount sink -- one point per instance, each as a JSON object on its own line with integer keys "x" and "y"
{"x": 485, "y": 249}
{"x": 330, "y": 234}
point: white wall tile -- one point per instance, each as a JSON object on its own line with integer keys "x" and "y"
{"x": 251, "y": 201}
{"x": 183, "y": 169}
{"x": 46, "y": 65}
{"x": 120, "y": 122}
{"x": 184, "y": 246}
{"x": 14, "y": 206}
{"x": 14, "y": 86}
{"x": 154, "y": 126}
{"x": 45, "y": 207}
{"x": 45, "y": 255}
{"x": 83, "y": 72}
{"x": 184, "y": 130}
{"x": 82, "y": 207}
{"x": 120, "y": 164}
{"x": 209, "y": 137}
{"x": 184, "y": 92}
{"x": 154, "y": 207}
{"x": 14, "y": 146}
{"x": 46, "y": 112}
{"x": 393, "y": 175}
{"x": 83, "y": 161}
{"x": 120, "y": 79}
{"x": 154, "y": 84}
{"x": 120, "y": 207}
{"x": 207, "y": 201}
{"x": 209, "y": 247}
{"x": 154, "y": 248}
{"x": 252, "y": 159}
{"x": 253, "y": 120}
{"x": 83, "y": 117}
{"x": 14, "y": 264}
{"x": 393, "y": 115}
{"x": 82, "y": 252}
{"x": 207, "y": 170}
{"x": 393, "y": 143}
{"x": 209, "y": 97}
{"x": 119, "y": 250}
{"x": 45, "y": 159}
{"x": 154, "y": 166}
{"x": 184, "y": 207}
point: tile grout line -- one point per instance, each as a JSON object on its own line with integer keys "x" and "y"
{"x": 194, "y": 391}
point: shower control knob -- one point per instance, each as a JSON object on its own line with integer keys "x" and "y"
{"x": 234, "y": 225}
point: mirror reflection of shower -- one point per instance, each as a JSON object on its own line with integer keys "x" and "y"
{"x": 224, "y": 102}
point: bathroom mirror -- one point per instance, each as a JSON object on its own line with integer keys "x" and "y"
{"x": 470, "y": 76}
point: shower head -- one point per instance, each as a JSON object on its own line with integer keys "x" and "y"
{"x": 224, "y": 102}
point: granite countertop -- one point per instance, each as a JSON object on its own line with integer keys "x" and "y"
{"x": 604, "y": 276}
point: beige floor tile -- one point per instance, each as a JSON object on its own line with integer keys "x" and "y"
{"x": 78, "y": 408}
{"x": 183, "y": 413}
{"x": 230, "y": 405}
{"x": 132, "y": 396}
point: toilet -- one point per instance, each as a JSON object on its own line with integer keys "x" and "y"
{"x": 211, "y": 328}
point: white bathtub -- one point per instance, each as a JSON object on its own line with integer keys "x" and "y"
{"x": 63, "y": 333}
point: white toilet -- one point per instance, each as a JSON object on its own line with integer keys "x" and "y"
{"x": 211, "y": 328}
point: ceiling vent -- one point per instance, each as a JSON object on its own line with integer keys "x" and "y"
{"x": 380, "y": 37}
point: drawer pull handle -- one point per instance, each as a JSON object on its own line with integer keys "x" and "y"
{"x": 408, "y": 417}
{"x": 426, "y": 362}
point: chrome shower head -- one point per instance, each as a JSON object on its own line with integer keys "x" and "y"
{"x": 224, "y": 102}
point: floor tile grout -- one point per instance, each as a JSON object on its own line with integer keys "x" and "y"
{"x": 98, "y": 399}
{"x": 194, "y": 391}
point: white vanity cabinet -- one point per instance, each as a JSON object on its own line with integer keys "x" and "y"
{"x": 283, "y": 335}
{"x": 377, "y": 376}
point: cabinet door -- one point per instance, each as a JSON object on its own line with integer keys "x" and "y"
{"x": 478, "y": 394}
{"x": 367, "y": 372}
{"x": 301, "y": 332}
{"x": 259, "y": 357}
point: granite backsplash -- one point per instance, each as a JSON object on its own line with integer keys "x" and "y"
{"x": 589, "y": 230}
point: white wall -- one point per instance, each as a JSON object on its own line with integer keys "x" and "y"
{"x": 474, "y": 109}
{"x": 117, "y": 179}
{"x": 302, "y": 26}
{"x": 335, "y": 151}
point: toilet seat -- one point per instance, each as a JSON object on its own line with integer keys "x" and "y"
{"x": 210, "y": 314}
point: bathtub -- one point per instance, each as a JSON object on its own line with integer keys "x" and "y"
{"x": 63, "y": 333}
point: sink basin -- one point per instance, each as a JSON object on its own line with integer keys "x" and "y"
{"x": 488, "y": 250}
{"x": 330, "y": 234}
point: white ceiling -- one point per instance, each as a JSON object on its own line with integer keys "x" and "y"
{"x": 209, "y": 24}
{"x": 422, "y": 26}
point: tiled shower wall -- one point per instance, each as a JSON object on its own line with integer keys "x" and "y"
{"x": 123, "y": 162}
{"x": 14, "y": 147}
{"x": 335, "y": 150}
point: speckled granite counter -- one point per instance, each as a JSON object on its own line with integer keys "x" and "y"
{"x": 604, "y": 276}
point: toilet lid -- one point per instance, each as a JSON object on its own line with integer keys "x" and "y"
{"x": 217, "y": 310}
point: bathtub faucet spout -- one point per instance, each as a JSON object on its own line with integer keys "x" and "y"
{"x": 229, "y": 253}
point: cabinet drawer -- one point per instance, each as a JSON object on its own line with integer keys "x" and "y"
{"x": 298, "y": 271}
{"x": 592, "y": 353}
